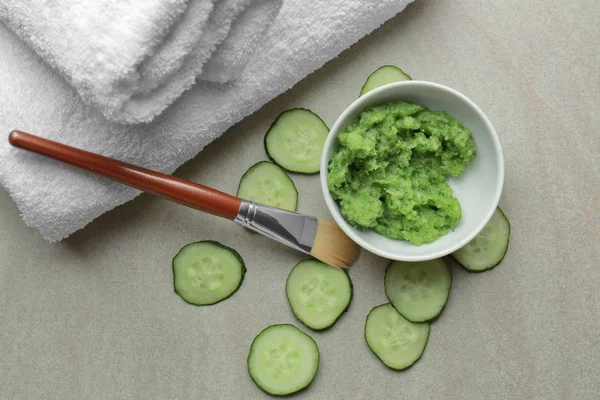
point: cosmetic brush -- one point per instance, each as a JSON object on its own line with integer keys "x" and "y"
{"x": 322, "y": 239}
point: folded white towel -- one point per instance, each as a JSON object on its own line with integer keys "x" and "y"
{"x": 132, "y": 58}
{"x": 59, "y": 200}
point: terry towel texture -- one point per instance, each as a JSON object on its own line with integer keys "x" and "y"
{"x": 58, "y": 200}
{"x": 132, "y": 58}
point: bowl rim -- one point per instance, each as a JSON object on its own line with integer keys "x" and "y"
{"x": 359, "y": 104}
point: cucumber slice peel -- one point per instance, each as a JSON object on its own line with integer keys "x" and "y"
{"x": 488, "y": 248}
{"x": 418, "y": 290}
{"x": 318, "y": 294}
{"x": 267, "y": 183}
{"x": 207, "y": 272}
{"x": 296, "y": 139}
{"x": 397, "y": 342}
{"x": 383, "y": 76}
{"x": 283, "y": 360}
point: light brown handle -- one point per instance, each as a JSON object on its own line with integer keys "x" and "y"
{"x": 175, "y": 189}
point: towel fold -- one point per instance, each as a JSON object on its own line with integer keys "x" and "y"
{"x": 234, "y": 53}
{"x": 132, "y": 58}
{"x": 58, "y": 200}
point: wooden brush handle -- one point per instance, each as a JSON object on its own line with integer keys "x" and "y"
{"x": 179, "y": 190}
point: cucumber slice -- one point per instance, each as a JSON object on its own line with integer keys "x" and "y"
{"x": 488, "y": 248}
{"x": 283, "y": 359}
{"x": 382, "y": 76}
{"x": 418, "y": 290}
{"x": 296, "y": 139}
{"x": 268, "y": 184}
{"x": 207, "y": 272}
{"x": 318, "y": 293}
{"x": 397, "y": 342}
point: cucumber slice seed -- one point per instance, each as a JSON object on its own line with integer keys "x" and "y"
{"x": 418, "y": 290}
{"x": 207, "y": 272}
{"x": 488, "y": 248}
{"x": 296, "y": 139}
{"x": 396, "y": 341}
{"x": 383, "y": 76}
{"x": 266, "y": 183}
{"x": 318, "y": 294}
{"x": 283, "y": 359}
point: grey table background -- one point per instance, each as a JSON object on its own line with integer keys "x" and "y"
{"x": 95, "y": 316}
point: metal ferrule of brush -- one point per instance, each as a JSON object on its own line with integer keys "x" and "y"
{"x": 294, "y": 230}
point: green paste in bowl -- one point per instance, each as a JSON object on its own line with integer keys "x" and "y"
{"x": 390, "y": 168}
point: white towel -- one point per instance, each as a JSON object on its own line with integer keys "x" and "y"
{"x": 132, "y": 58}
{"x": 234, "y": 53}
{"x": 58, "y": 200}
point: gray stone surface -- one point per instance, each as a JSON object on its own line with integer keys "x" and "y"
{"x": 96, "y": 317}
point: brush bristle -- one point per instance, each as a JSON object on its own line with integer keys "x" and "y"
{"x": 333, "y": 246}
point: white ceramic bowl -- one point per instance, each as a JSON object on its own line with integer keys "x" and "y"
{"x": 478, "y": 189}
